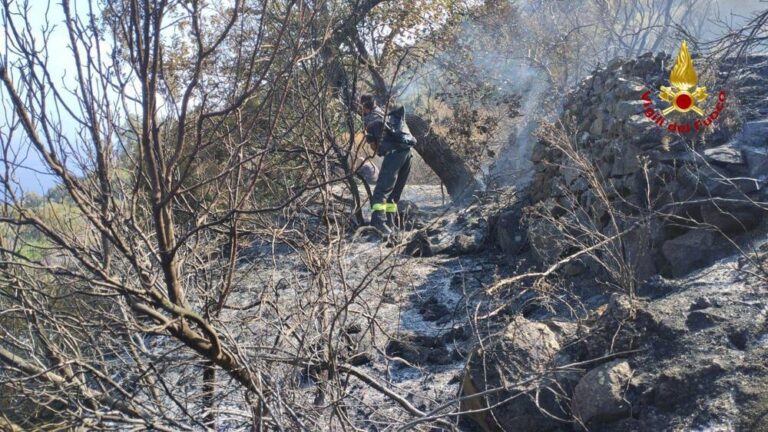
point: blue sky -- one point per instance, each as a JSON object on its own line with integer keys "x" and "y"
{"x": 31, "y": 173}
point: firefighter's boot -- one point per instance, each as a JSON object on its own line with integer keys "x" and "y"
{"x": 379, "y": 220}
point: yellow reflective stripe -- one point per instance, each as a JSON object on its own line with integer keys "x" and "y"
{"x": 379, "y": 207}
{"x": 391, "y": 208}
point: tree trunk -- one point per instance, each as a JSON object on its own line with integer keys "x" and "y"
{"x": 437, "y": 154}
{"x": 452, "y": 170}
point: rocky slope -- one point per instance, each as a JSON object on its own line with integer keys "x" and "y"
{"x": 664, "y": 327}
{"x": 685, "y": 354}
{"x": 691, "y": 185}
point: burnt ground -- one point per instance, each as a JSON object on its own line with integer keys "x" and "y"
{"x": 700, "y": 342}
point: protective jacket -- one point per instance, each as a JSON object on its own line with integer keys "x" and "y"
{"x": 391, "y": 133}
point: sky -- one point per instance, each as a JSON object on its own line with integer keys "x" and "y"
{"x": 32, "y": 174}
{"x": 740, "y": 7}
{"x": 33, "y": 178}
{"x": 737, "y": 12}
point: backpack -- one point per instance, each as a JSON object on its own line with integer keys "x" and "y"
{"x": 396, "y": 130}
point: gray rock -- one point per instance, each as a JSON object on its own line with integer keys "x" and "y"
{"x": 732, "y": 217}
{"x": 629, "y": 107}
{"x": 564, "y": 330}
{"x": 524, "y": 347}
{"x": 631, "y": 92}
{"x": 639, "y": 253}
{"x": 757, "y": 161}
{"x": 754, "y": 133}
{"x": 511, "y": 234}
{"x": 599, "y": 395}
{"x": 640, "y": 129}
{"x": 545, "y": 238}
{"x": 530, "y": 340}
{"x": 689, "y": 252}
{"x": 580, "y": 185}
{"x": 725, "y": 154}
{"x": 467, "y": 243}
{"x": 620, "y": 307}
{"x": 625, "y": 162}
{"x": 597, "y": 124}
{"x": 570, "y": 174}
{"x": 701, "y": 303}
{"x": 726, "y": 185}
{"x": 700, "y": 320}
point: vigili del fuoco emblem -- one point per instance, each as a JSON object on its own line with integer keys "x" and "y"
{"x": 683, "y": 79}
{"x": 684, "y": 95}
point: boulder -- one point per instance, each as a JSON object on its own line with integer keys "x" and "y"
{"x": 545, "y": 238}
{"x": 630, "y": 92}
{"x": 733, "y": 216}
{"x": 530, "y": 341}
{"x": 468, "y": 242}
{"x": 597, "y": 125}
{"x": 639, "y": 253}
{"x": 725, "y": 154}
{"x": 625, "y": 162}
{"x": 690, "y": 251}
{"x": 570, "y": 174}
{"x": 700, "y": 303}
{"x": 700, "y": 320}
{"x": 472, "y": 230}
{"x": 757, "y": 161}
{"x": 599, "y": 395}
{"x": 642, "y": 132}
{"x": 510, "y": 233}
{"x": 523, "y": 348}
{"x": 755, "y": 133}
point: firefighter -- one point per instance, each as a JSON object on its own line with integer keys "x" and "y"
{"x": 390, "y": 138}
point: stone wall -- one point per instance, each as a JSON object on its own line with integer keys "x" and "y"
{"x": 685, "y": 193}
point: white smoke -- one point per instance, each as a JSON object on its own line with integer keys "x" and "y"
{"x": 499, "y": 56}
{"x": 496, "y": 61}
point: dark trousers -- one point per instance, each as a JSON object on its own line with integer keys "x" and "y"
{"x": 393, "y": 175}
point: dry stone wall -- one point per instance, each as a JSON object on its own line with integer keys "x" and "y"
{"x": 675, "y": 185}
